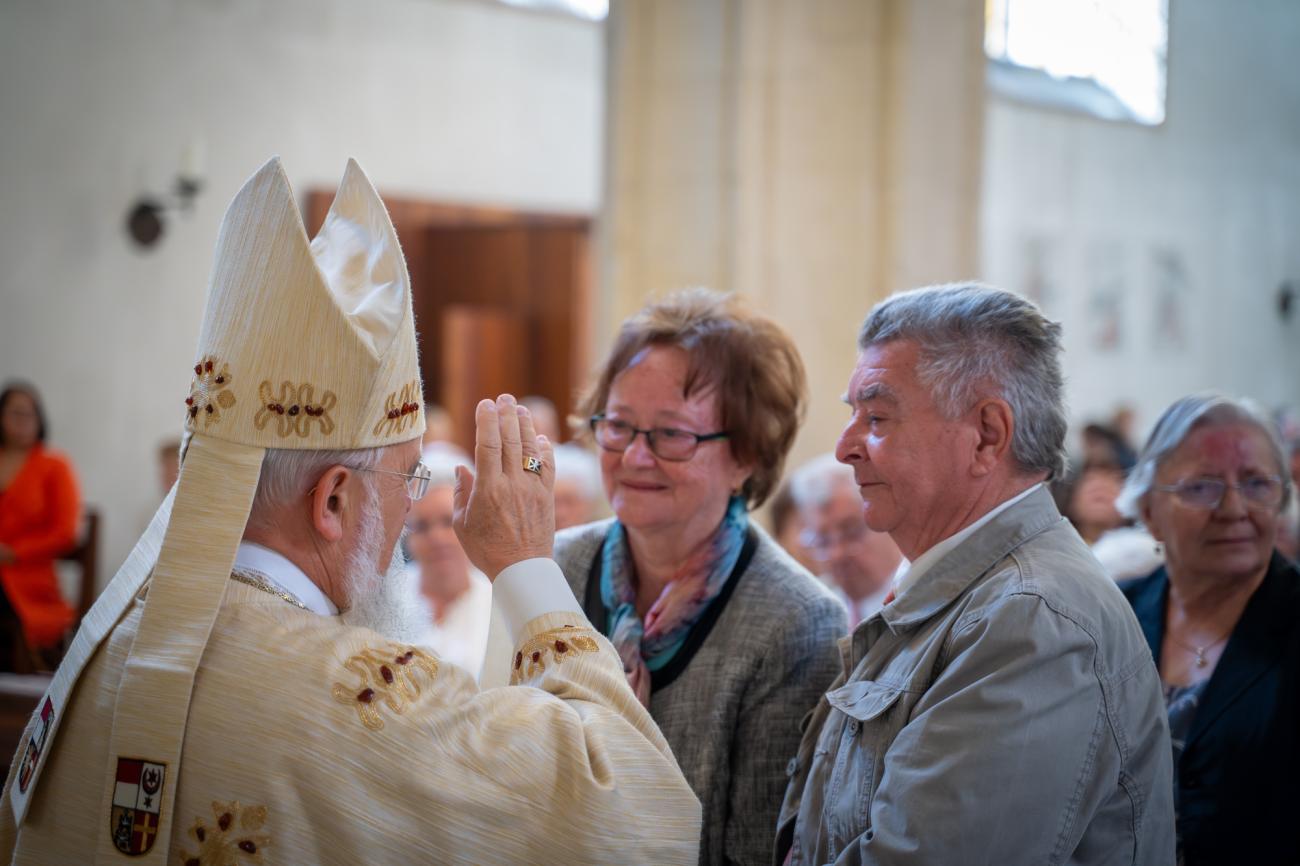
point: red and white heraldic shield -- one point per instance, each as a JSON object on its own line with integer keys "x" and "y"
{"x": 137, "y": 799}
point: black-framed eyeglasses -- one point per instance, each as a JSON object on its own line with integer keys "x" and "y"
{"x": 417, "y": 482}
{"x": 666, "y": 443}
{"x": 1262, "y": 491}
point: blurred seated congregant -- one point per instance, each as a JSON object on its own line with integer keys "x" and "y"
{"x": 40, "y": 510}
{"x": 859, "y": 564}
{"x": 1087, "y": 499}
{"x": 1222, "y": 617}
{"x": 579, "y": 493}
{"x": 458, "y": 594}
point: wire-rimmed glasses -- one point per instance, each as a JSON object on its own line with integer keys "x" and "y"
{"x": 1261, "y": 491}
{"x": 417, "y": 482}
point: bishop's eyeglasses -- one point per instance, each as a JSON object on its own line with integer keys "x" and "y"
{"x": 417, "y": 482}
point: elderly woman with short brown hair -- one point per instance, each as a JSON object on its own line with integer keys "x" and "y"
{"x": 1222, "y": 617}
{"x": 725, "y": 638}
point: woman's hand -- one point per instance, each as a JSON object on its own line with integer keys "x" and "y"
{"x": 504, "y": 512}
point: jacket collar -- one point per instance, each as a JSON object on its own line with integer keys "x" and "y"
{"x": 969, "y": 561}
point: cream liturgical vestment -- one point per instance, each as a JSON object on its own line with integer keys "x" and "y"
{"x": 206, "y": 716}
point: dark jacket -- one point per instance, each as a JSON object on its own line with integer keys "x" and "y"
{"x": 730, "y": 703}
{"x": 1238, "y": 777}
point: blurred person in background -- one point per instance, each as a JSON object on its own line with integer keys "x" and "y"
{"x": 1295, "y": 462}
{"x": 859, "y": 564}
{"x": 579, "y": 494}
{"x": 788, "y": 526}
{"x": 1222, "y": 618}
{"x": 40, "y": 513}
{"x": 1087, "y": 499}
{"x": 545, "y": 417}
{"x": 723, "y": 636}
{"x": 437, "y": 425}
{"x": 1288, "y": 531}
{"x": 458, "y": 594}
{"x": 1105, "y": 446}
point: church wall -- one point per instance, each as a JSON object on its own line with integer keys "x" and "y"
{"x": 1163, "y": 249}
{"x": 456, "y": 100}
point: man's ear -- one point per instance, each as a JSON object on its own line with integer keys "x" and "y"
{"x": 994, "y": 425}
{"x": 329, "y": 500}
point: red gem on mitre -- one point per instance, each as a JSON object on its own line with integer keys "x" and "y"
{"x": 189, "y": 401}
{"x": 198, "y": 369}
{"x": 208, "y": 366}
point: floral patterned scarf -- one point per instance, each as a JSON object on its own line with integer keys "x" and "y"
{"x": 647, "y": 645}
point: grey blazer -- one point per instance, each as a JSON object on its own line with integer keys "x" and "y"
{"x": 732, "y": 713}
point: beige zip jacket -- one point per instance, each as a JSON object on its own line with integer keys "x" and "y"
{"x": 1004, "y": 710}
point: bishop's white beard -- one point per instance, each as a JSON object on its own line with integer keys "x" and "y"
{"x": 388, "y": 603}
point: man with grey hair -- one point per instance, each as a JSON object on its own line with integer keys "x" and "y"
{"x": 1003, "y": 707}
{"x": 857, "y": 562}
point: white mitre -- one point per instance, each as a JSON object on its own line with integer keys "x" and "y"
{"x": 304, "y": 344}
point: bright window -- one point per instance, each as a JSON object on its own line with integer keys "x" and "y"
{"x": 1107, "y": 55}
{"x": 592, "y": 10}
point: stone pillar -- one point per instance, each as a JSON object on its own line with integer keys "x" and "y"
{"x": 814, "y": 155}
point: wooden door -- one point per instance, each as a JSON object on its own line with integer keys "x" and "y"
{"x": 501, "y": 298}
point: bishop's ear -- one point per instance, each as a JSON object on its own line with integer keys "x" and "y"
{"x": 994, "y": 425}
{"x": 328, "y": 500}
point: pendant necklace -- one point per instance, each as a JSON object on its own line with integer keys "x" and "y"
{"x": 1200, "y": 651}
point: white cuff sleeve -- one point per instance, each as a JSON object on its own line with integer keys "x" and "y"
{"x": 528, "y": 589}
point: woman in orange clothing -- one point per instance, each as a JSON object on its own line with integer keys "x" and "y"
{"x": 39, "y": 512}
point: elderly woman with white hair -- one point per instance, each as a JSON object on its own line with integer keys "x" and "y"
{"x": 1222, "y": 617}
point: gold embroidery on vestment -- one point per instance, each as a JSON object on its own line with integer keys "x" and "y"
{"x": 294, "y": 408}
{"x": 257, "y": 580}
{"x": 399, "y": 408}
{"x": 209, "y": 393}
{"x": 557, "y": 644}
{"x": 231, "y": 839}
{"x": 387, "y": 676}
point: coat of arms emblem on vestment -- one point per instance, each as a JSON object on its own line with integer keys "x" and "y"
{"x": 137, "y": 804}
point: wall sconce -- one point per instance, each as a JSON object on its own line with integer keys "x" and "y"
{"x": 147, "y": 218}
